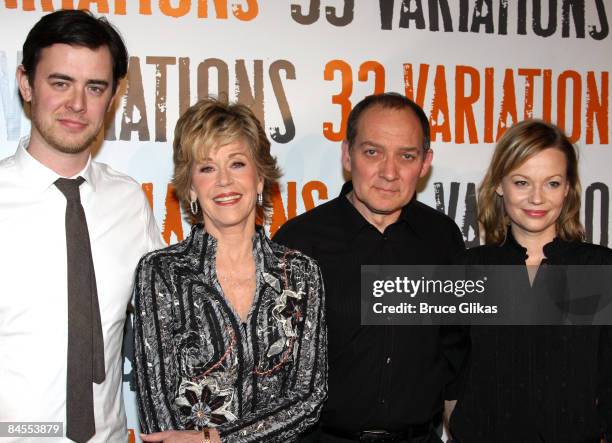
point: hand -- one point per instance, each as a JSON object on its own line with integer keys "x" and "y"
{"x": 180, "y": 437}
{"x": 449, "y": 407}
{"x": 173, "y": 437}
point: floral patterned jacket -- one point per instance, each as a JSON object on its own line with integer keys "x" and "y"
{"x": 198, "y": 366}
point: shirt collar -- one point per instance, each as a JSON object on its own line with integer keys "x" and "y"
{"x": 354, "y": 222}
{"x": 553, "y": 249}
{"x": 205, "y": 248}
{"x": 514, "y": 246}
{"x": 40, "y": 177}
{"x": 88, "y": 174}
{"x": 413, "y": 218}
{"x": 557, "y": 248}
{"x": 350, "y": 218}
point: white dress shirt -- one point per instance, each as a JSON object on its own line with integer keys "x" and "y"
{"x": 33, "y": 287}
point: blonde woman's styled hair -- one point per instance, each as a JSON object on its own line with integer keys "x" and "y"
{"x": 516, "y": 146}
{"x": 208, "y": 125}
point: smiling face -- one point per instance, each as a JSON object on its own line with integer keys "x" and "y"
{"x": 226, "y": 185}
{"x": 385, "y": 162}
{"x": 534, "y": 194}
{"x": 69, "y": 97}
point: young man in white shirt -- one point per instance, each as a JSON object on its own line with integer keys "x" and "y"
{"x": 72, "y": 64}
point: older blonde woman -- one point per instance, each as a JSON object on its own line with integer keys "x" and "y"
{"x": 230, "y": 337}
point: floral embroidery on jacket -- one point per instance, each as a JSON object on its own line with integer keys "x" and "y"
{"x": 205, "y": 403}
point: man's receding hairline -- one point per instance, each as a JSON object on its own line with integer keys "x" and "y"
{"x": 392, "y": 108}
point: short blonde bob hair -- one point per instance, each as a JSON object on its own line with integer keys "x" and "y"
{"x": 208, "y": 125}
{"x": 516, "y": 146}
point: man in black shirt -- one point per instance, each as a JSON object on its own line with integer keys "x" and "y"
{"x": 386, "y": 383}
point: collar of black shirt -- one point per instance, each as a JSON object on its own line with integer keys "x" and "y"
{"x": 553, "y": 251}
{"x": 355, "y": 222}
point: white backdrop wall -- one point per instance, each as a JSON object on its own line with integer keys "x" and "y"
{"x": 476, "y": 66}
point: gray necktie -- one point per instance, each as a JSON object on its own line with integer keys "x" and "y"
{"x": 85, "y": 340}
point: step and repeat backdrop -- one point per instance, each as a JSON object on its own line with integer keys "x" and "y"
{"x": 476, "y": 67}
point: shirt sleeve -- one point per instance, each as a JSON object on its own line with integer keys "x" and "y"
{"x": 154, "y": 359}
{"x": 456, "y": 342}
{"x": 605, "y": 379}
{"x": 293, "y": 237}
{"x": 457, "y": 242}
{"x": 300, "y": 408}
{"x": 456, "y": 348}
{"x": 153, "y": 237}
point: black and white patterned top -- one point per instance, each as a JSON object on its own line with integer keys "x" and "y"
{"x": 198, "y": 366}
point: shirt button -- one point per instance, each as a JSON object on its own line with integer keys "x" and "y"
{"x": 388, "y": 360}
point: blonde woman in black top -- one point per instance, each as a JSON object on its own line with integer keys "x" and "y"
{"x": 535, "y": 384}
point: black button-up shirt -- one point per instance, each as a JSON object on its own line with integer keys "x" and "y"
{"x": 380, "y": 377}
{"x": 536, "y": 383}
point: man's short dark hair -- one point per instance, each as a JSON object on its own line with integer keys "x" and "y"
{"x": 391, "y": 100}
{"x": 76, "y": 28}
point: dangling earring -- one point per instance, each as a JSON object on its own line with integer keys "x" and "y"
{"x": 259, "y": 199}
{"x": 193, "y": 207}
